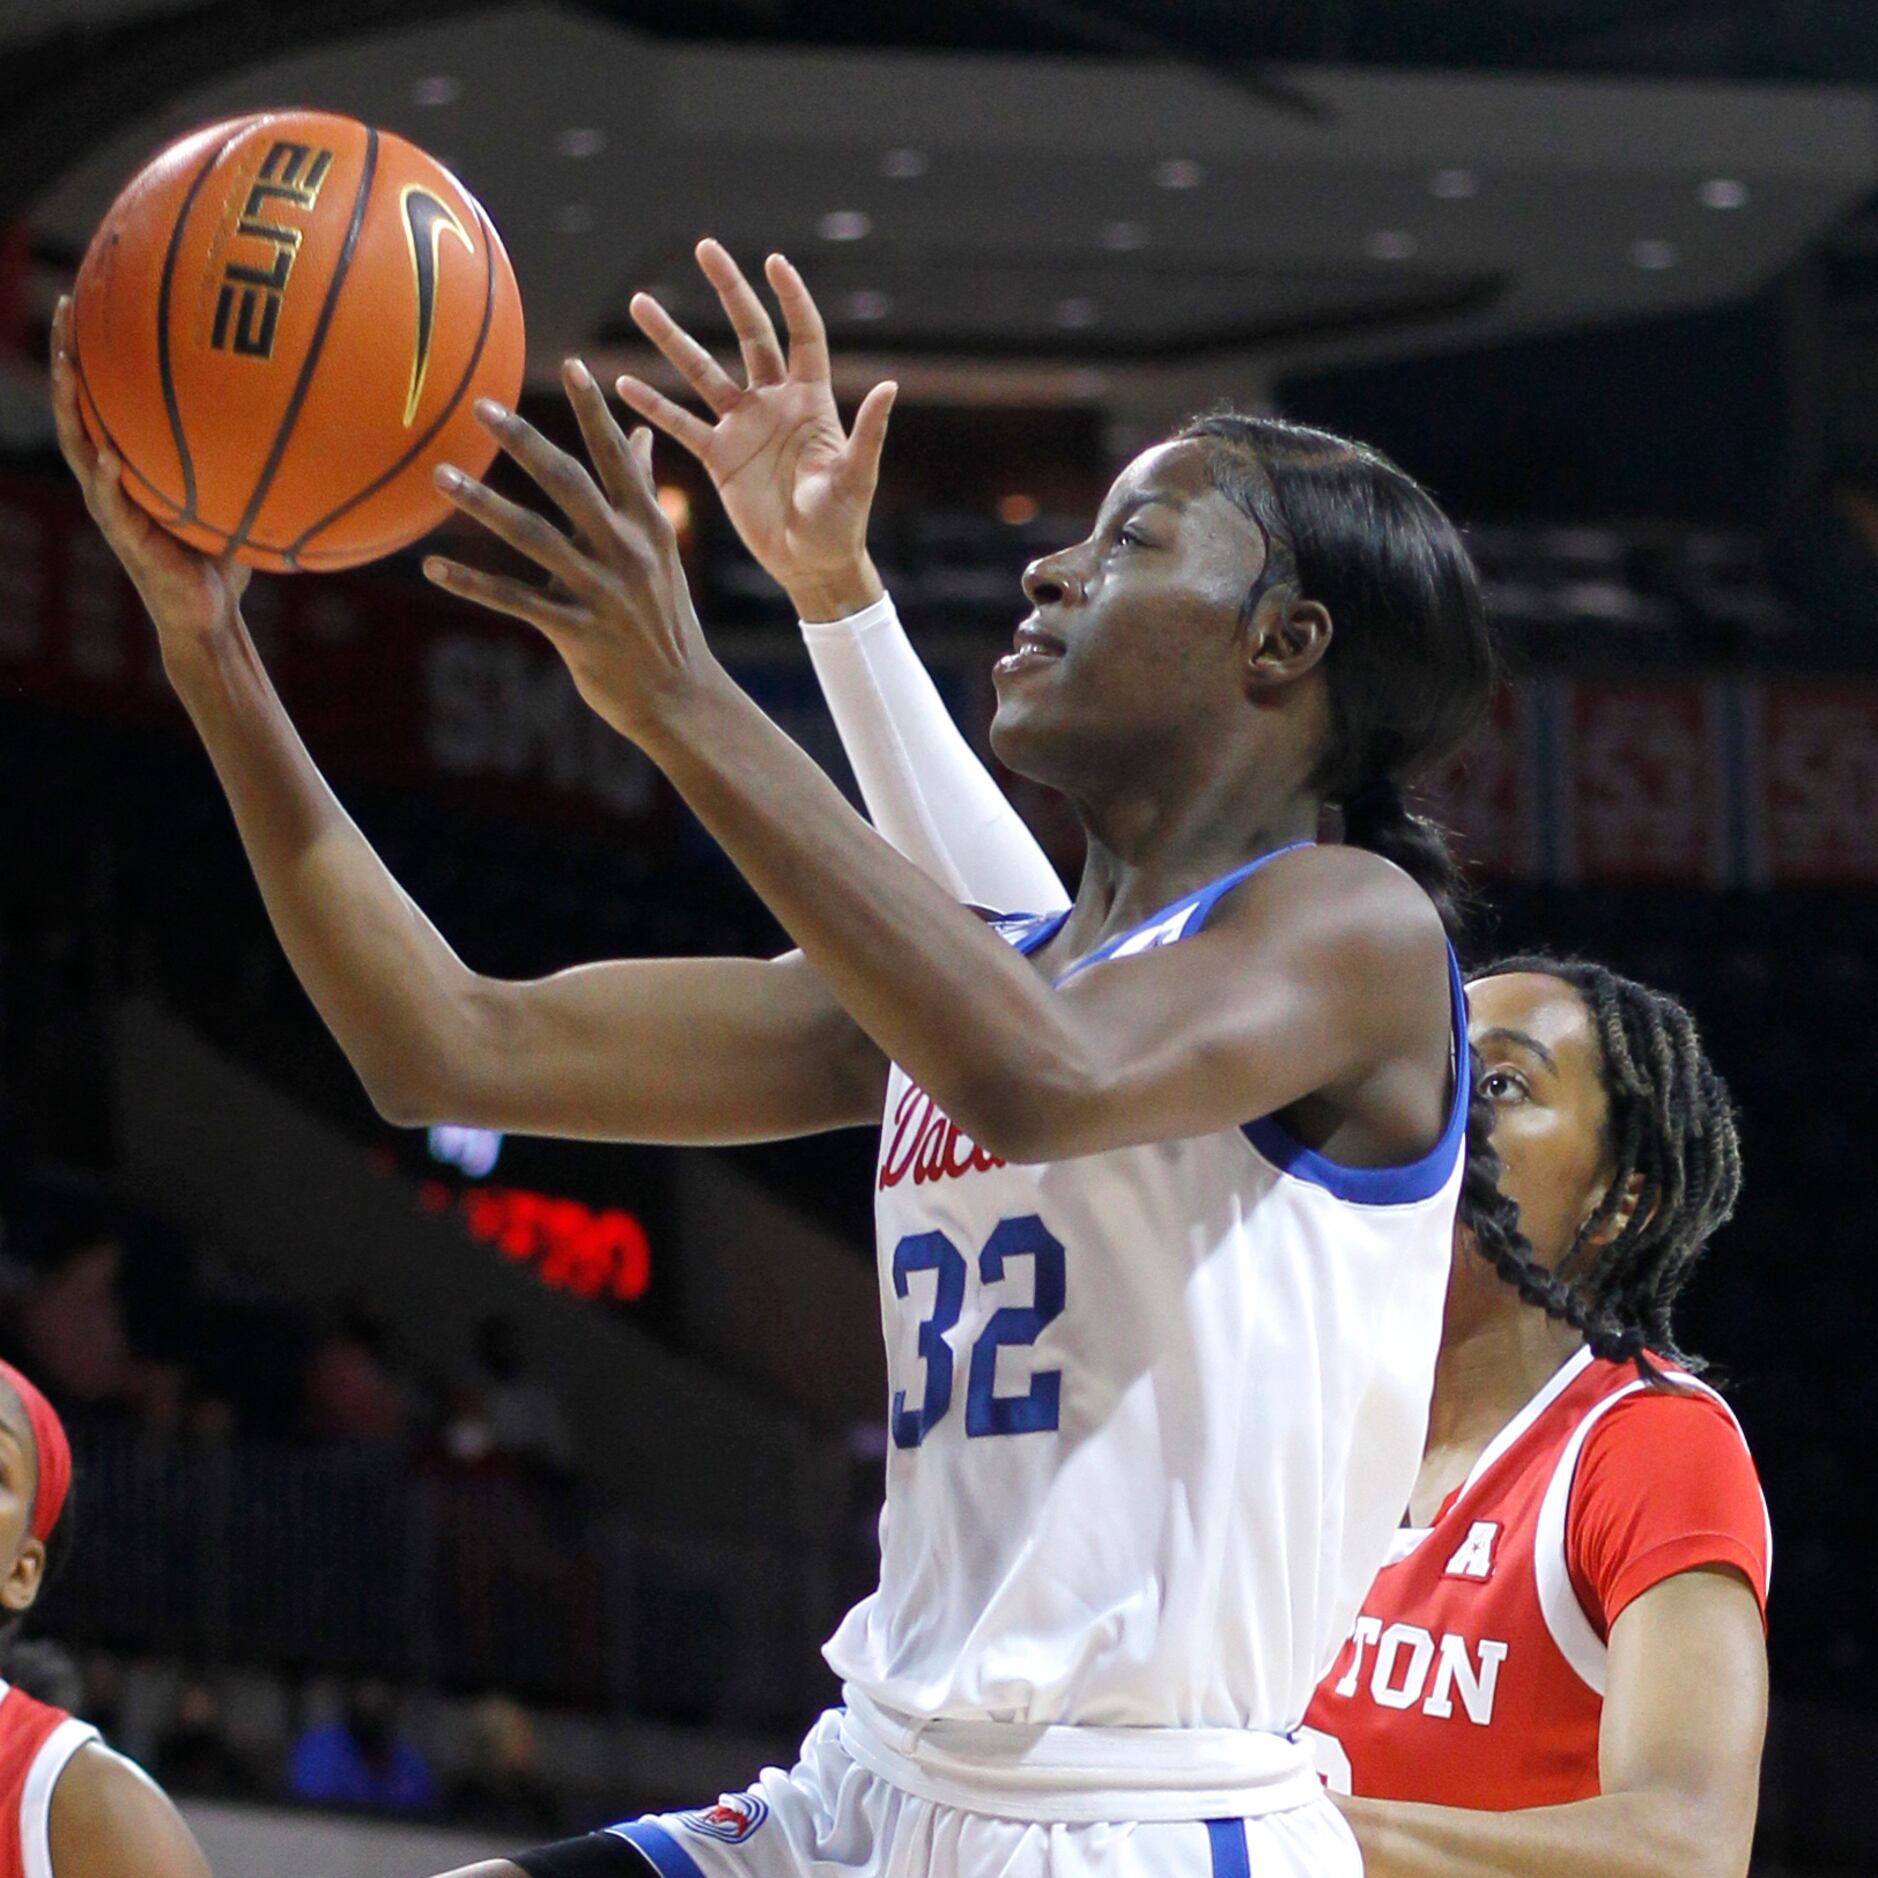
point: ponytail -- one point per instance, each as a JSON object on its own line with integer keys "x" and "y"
{"x": 1378, "y": 817}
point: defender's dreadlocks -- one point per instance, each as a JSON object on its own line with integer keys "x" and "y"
{"x": 1670, "y": 1126}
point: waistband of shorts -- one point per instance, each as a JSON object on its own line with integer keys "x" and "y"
{"x": 1073, "y": 1775}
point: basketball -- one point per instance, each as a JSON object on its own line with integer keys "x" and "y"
{"x": 281, "y": 328}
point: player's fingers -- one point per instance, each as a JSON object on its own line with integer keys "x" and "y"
{"x": 642, "y": 450}
{"x": 75, "y": 443}
{"x": 606, "y": 442}
{"x": 749, "y": 318}
{"x": 113, "y": 510}
{"x": 869, "y": 436}
{"x": 676, "y": 422}
{"x": 683, "y": 353}
{"x": 808, "y": 337}
{"x": 501, "y": 594}
{"x": 563, "y": 480}
{"x": 526, "y": 532}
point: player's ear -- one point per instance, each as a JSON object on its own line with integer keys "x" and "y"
{"x": 1286, "y": 637}
{"x": 19, "y": 1590}
{"x": 1610, "y": 1229}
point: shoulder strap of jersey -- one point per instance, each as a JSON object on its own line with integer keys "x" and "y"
{"x": 49, "y": 1763}
{"x": 1578, "y": 1642}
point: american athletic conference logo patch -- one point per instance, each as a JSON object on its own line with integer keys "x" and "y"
{"x": 731, "y": 1820}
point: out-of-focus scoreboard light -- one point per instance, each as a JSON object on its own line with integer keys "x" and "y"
{"x": 473, "y": 1151}
{"x": 602, "y": 1253}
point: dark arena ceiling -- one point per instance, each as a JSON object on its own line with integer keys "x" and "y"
{"x": 1034, "y": 199}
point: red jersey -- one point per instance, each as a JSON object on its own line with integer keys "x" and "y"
{"x": 1474, "y": 1675}
{"x": 36, "y": 1742}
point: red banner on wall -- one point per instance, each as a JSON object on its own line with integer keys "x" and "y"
{"x": 1487, "y": 795}
{"x": 1700, "y": 783}
{"x": 384, "y": 678}
{"x": 1644, "y": 795}
{"x": 1816, "y": 800}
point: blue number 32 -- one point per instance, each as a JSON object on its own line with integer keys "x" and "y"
{"x": 986, "y": 1412}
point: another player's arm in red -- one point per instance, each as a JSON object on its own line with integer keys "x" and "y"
{"x": 1330, "y": 984}
{"x": 665, "y": 1050}
{"x": 111, "y": 1820}
{"x": 1679, "y": 1753}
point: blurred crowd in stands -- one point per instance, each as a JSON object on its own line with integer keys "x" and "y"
{"x": 104, "y": 1306}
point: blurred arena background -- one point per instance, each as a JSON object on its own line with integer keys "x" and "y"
{"x": 558, "y": 1462}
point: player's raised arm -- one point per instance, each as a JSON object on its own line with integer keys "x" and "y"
{"x": 1332, "y": 984}
{"x": 798, "y": 492}
{"x": 656, "y": 1050}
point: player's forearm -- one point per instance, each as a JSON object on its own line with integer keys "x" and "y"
{"x": 923, "y": 784}
{"x": 938, "y": 992}
{"x": 1656, "y": 1834}
{"x": 380, "y": 975}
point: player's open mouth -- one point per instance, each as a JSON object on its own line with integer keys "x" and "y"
{"x": 1032, "y": 646}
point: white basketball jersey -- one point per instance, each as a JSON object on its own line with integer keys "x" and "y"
{"x": 1155, "y": 1413}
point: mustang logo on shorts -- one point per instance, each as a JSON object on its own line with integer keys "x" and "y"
{"x": 732, "y": 1819}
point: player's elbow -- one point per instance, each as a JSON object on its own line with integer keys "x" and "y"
{"x": 430, "y": 1076}
{"x": 1695, "y": 1836}
{"x": 409, "y": 1090}
{"x": 402, "y": 1100}
{"x": 1045, "y": 1111}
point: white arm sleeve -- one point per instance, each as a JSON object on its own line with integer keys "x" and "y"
{"x": 923, "y": 785}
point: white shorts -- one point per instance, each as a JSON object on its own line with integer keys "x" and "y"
{"x": 829, "y": 1817}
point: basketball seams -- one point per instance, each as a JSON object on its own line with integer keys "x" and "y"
{"x": 164, "y": 370}
{"x": 310, "y": 363}
{"x": 423, "y": 443}
{"x": 275, "y": 455}
{"x": 104, "y": 430}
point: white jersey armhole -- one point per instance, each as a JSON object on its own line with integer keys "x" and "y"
{"x": 36, "y": 1796}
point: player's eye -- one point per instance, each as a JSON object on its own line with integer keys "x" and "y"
{"x": 1504, "y": 1085}
{"x": 1131, "y": 538}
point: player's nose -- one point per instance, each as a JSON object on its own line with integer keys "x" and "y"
{"x": 1054, "y": 580}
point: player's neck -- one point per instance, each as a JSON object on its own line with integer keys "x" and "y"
{"x": 1487, "y": 1374}
{"x": 1144, "y": 854}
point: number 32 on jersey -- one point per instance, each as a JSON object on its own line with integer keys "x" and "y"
{"x": 986, "y": 1412}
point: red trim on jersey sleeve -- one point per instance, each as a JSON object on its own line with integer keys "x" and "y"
{"x": 1664, "y": 1484}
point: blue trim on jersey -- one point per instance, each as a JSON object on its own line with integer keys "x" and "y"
{"x": 1225, "y": 1839}
{"x": 669, "y": 1858}
{"x": 1383, "y": 1186}
{"x": 1042, "y": 926}
{"x": 1197, "y": 906}
{"x": 1420, "y": 1179}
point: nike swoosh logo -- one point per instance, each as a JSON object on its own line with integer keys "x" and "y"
{"x": 427, "y": 219}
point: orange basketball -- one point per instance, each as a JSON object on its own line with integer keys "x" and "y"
{"x": 281, "y": 328}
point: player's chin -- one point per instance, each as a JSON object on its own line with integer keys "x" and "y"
{"x": 1027, "y": 733}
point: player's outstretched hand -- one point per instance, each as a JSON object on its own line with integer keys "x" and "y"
{"x": 190, "y": 597}
{"x": 796, "y": 486}
{"x": 617, "y": 607}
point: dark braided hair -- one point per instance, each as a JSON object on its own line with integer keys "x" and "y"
{"x": 1491, "y": 1219}
{"x": 1410, "y": 666}
{"x": 1670, "y": 1127}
